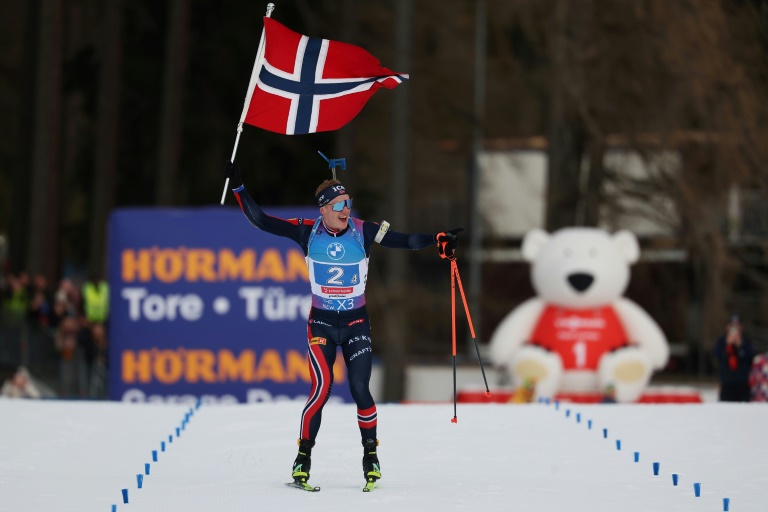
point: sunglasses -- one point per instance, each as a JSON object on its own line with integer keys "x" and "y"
{"x": 337, "y": 207}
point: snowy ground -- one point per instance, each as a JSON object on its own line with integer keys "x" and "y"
{"x": 74, "y": 456}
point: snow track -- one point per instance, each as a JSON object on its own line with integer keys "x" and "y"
{"x": 77, "y": 456}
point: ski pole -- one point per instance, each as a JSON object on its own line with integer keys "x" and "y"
{"x": 453, "y": 329}
{"x": 455, "y": 270}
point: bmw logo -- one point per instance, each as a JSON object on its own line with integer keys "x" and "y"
{"x": 335, "y": 251}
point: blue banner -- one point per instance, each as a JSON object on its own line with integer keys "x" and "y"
{"x": 204, "y": 305}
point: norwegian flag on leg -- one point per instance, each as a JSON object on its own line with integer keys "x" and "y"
{"x": 308, "y": 85}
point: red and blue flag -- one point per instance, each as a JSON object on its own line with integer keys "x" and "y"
{"x": 308, "y": 85}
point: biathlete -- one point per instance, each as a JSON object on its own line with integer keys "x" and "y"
{"x": 337, "y": 248}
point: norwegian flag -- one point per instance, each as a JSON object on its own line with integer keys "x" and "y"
{"x": 309, "y": 85}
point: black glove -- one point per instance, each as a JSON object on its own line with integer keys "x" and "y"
{"x": 232, "y": 171}
{"x": 447, "y": 242}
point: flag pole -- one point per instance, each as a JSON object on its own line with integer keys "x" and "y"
{"x": 251, "y": 86}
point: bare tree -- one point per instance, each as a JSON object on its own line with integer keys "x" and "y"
{"x": 43, "y": 214}
{"x": 672, "y": 75}
{"x": 107, "y": 136}
{"x": 17, "y": 143}
{"x": 567, "y": 137}
{"x": 175, "y": 67}
{"x": 685, "y": 77}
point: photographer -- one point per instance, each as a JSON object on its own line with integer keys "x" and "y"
{"x": 734, "y": 352}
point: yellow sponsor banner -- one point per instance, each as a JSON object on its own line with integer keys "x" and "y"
{"x": 170, "y": 265}
{"x": 192, "y": 366}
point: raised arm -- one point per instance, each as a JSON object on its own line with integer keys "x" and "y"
{"x": 297, "y": 230}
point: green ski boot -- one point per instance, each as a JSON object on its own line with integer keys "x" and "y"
{"x": 303, "y": 462}
{"x": 371, "y": 469}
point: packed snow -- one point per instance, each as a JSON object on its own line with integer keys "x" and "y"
{"x": 78, "y": 456}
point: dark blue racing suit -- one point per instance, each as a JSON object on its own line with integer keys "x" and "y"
{"x": 338, "y": 270}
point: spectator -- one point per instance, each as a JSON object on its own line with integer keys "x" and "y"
{"x": 66, "y": 302}
{"x": 70, "y": 367}
{"x": 733, "y": 352}
{"x": 17, "y": 383}
{"x": 97, "y": 387}
{"x": 85, "y": 342}
{"x": 41, "y": 304}
{"x": 16, "y": 296}
{"x": 96, "y": 300}
{"x": 758, "y": 378}
{"x": 13, "y": 317}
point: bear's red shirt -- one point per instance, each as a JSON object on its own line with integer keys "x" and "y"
{"x": 579, "y": 336}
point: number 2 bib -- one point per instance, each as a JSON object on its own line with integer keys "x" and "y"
{"x": 338, "y": 268}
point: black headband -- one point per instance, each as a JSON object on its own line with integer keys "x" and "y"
{"x": 330, "y": 193}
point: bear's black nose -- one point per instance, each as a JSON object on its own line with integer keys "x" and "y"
{"x": 580, "y": 281}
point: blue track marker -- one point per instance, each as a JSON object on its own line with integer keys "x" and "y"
{"x": 697, "y": 489}
{"x": 637, "y": 456}
{"x": 656, "y": 468}
{"x": 125, "y": 495}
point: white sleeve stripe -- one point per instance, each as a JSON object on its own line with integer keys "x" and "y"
{"x": 382, "y": 231}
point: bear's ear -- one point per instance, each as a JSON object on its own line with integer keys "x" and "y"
{"x": 627, "y": 244}
{"x": 533, "y": 242}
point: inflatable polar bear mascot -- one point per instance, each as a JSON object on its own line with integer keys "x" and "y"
{"x": 579, "y": 334}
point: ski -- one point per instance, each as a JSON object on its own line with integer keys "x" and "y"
{"x": 369, "y": 486}
{"x": 302, "y": 486}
